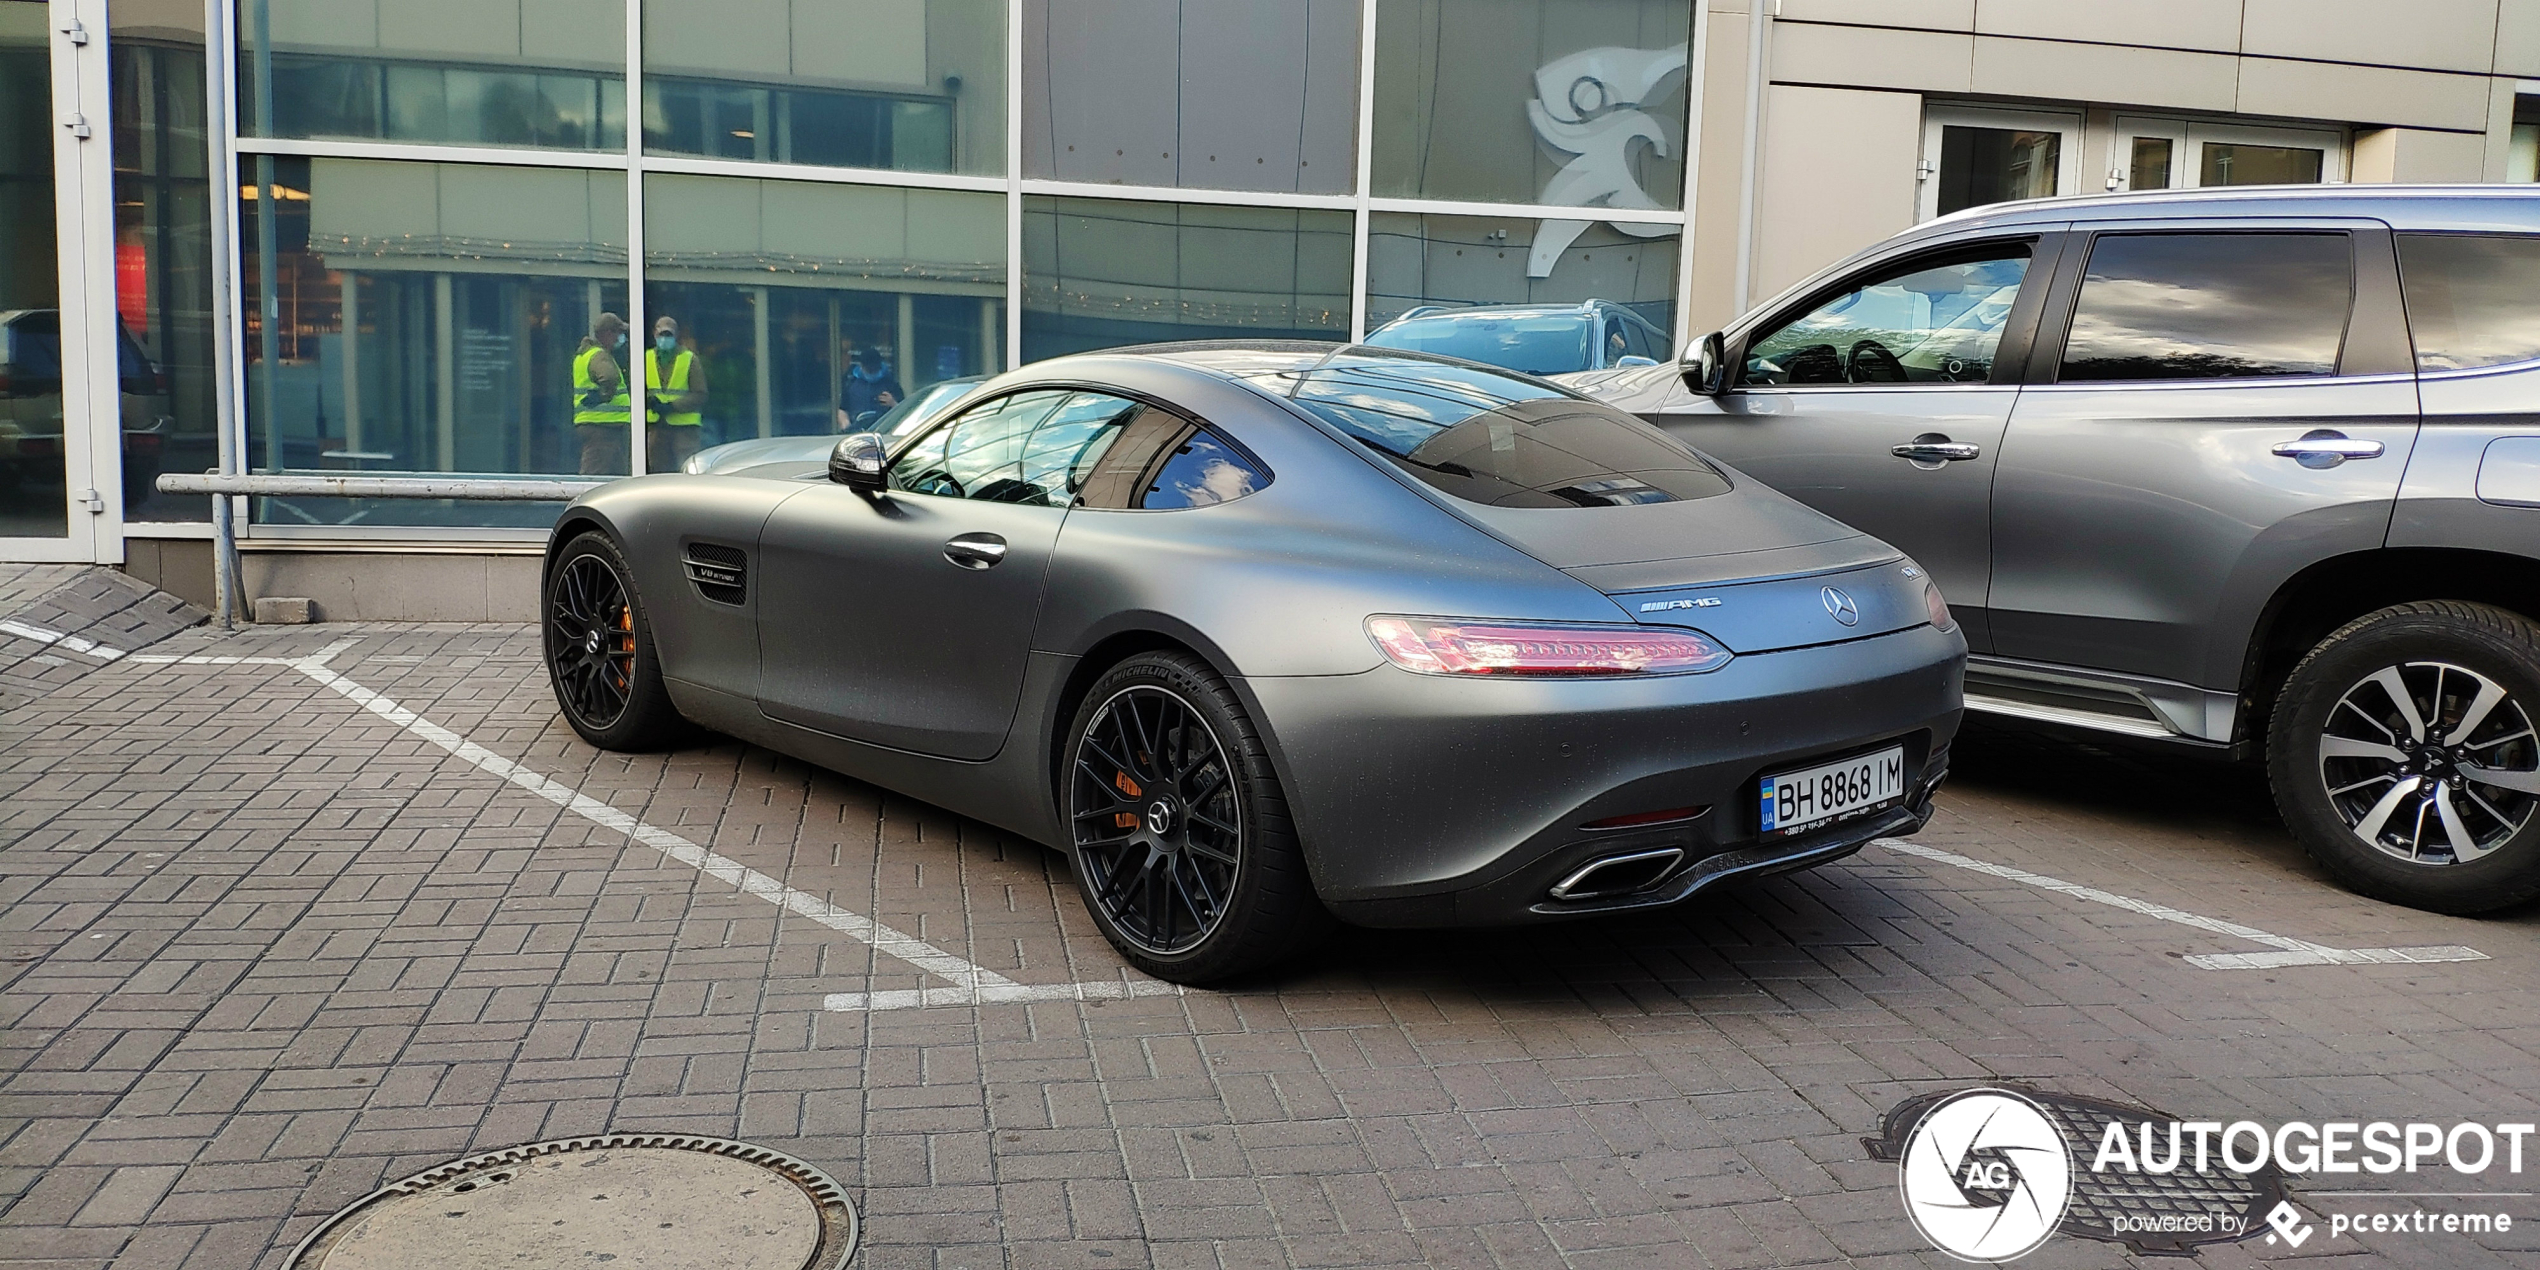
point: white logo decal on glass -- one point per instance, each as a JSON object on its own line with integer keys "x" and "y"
{"x": 1587, "y": 106}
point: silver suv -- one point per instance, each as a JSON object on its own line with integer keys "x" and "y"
{"x": 2255, "y": 470}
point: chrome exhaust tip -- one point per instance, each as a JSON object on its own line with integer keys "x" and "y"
{"x": 1618, "y": 875}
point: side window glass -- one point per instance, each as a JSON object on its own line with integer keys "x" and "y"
{"x": 978, "y": 454}
{"x": 2210, "y": 306}
{"x": 1923, "y": 323}
{"x": 1067, "y": 444}
{"x": 2473, "y": 299}
{"x": 1645, "y": 341}
{"x": 1202, "y": 471}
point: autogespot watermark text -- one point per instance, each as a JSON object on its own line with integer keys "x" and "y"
{"x": 2299, "y": 1147}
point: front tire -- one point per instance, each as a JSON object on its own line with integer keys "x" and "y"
{"x": 1178, "y": 832}
{"x": 2403, "y": 755}
{"x": 600, "y": 654}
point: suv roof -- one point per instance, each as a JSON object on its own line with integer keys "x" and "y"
{"x": 2513, "y": 207}
{"x": 1582, "y": 308}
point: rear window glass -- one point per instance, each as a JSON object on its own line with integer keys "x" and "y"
{"x": 2210, "y": 306}
{"x": 2473, "y": 299}
{"x": 1497, "y": 439}
{"x": 1534, "y": 343}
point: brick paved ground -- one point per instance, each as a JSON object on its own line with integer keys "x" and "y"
{"x": 266, "y": 950}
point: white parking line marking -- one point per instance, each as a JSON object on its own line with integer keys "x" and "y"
{"x": 973, "y": 984}
{"x": 2289, "y": 951}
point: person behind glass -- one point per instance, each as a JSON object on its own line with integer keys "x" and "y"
{"x": 674, "y": 399}
{"x": 601, "y": 403}
{"x": 870, "y": 390}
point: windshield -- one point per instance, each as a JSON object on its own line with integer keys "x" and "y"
{"x": 921, "y": 405}
{"x": 1497, "y": 439}
{"x": 1535, "y": 343}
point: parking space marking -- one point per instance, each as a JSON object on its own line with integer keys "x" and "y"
{"x": 2288, "y": 951}
{"x": 973, "y": 984}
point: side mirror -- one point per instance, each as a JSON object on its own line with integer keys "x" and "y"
{"x": 858, "y": 462}
{"x": 1706, "y": 366}
{"x": 1633, "y": 359}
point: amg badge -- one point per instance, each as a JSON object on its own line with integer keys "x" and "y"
{"x": 1661, "y": 606}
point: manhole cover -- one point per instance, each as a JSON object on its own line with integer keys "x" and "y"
{"x": 632, "y": 1201}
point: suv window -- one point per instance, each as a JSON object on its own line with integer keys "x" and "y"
{"x": 1923, "y": 322}
{"x": 2210, "y": 306}
{"x": 1498, "y": 439}
{"x": 2473, "y": 299}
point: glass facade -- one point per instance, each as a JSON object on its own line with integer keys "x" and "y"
{"x": 547, "y": 74}
{"x": 163, "y": 248}
{"x": 1415, "y": 260}
{"x": 31, "y": 468}
{"x": 1098, "y": 273}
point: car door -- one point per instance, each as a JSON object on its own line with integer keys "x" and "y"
{"x": 2220, "y": 405}
{"x": 905, "y": 618}
{"x": 1880, "y": 400}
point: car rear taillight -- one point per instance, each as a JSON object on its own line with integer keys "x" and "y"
{"x": 144, "y": 443}
{"x": 1541, "y": 650}
{"x": 1938, "y": 607}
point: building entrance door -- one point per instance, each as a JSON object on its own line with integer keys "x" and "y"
{"x": 60, "y": 390}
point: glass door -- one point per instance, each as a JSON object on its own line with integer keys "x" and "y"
{"x": 53, "y": 113}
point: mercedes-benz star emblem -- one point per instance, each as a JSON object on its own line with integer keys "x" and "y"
{"x": 1159, "y": 816}
{"x": 1986, "y": 1176}
{"x": 1841, "y": 608}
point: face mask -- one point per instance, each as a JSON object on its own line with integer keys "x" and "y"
{"x": 666, "y": 343}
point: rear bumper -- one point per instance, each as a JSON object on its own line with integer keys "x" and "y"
{"x": 1427, "y": 801}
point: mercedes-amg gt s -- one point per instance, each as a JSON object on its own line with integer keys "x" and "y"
{"x": 1263, "y": 633}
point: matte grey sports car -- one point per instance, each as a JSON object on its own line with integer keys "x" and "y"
{"x": 1263, "y": 633}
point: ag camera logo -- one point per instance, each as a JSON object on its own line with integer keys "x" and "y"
{"x": 1986, "y": 1176}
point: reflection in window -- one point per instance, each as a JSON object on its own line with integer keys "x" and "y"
{"x": 2522, "y": 152}
{"x": 409, "y": 317}
{"x": 978, "y": 455}
{"x": 1215, "y": 94}
{"x": 2225, "y": 163}
{"x": 32, "y": 500}
{"x": 1495, "y": 439}
{"x": 502, "y": 73}
{"x": 1416, "y": 260}
{"x": 1934, "y": 323}
{"x": 816, "y": 308}
{"x": 163, "y": 244}
{"x": 1099, "y": 273}
{"x": 912, "y": 86}
{"x": 1201, "y": 472}
{"x": 1996, "y": 165}
{"x": 1532, "y": 101}
{"x": 2473, "y": 299}
{"x": 2210, "y": 306}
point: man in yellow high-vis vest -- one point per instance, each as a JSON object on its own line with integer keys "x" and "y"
{"x": 602, "y": 404}
{"x": 674, "y": 399}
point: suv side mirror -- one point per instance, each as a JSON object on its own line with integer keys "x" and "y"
{"x": 1634, "y": 359}
{"x": 1706, "y": 366}
{"x": 858, "y": 462}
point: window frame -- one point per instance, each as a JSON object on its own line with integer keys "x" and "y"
{"x": 2375, "y": 344}
{"x": 2068, "y": 151}
{"x": 2020, "y": 331}
{"x": 2188, "y": 136}
{"x": 1076, "y": 502}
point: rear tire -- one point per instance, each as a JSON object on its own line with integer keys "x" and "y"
{"x": 1178, "y": 831}
{"x": 2402, "y": 754}
{"x": 600, "y": 654}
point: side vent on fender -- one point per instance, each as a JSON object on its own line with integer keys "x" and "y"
{"x": 721, "y": 573}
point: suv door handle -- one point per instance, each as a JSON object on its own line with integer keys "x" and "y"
{"x": 1932, "y": 449}
{"x": 2326, "y": 448}
{"x": 975, "y": 551}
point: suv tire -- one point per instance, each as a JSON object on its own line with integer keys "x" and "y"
{"x": 2402, "y": 754}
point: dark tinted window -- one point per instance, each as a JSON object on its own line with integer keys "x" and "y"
{"x": 1925, "y": 322}
{"x": 1498, "y": 439}
{"x": 35, "y": 346}
{"x": 2210, "y": 306}
{"x": 1202, "y": 471}
{"x": 2473, "y": 300}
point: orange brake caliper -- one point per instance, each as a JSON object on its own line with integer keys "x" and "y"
{"x": 1125, "y": 819}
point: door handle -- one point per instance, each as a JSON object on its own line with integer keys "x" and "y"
{"x": 2322, "y": 448}
{"x": 975, "y": 551}
{"x": 1932, "y": 449}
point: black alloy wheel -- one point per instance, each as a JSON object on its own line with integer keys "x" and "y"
{"x": 2404, "y": 755}
{"x": 1157, "y": 823}
{"x": 600, "y": 653}
{"x": 1179, "y": 836}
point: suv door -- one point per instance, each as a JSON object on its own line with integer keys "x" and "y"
{"x": 1880, "y": 400}
{"x": 2225, "y": 404}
